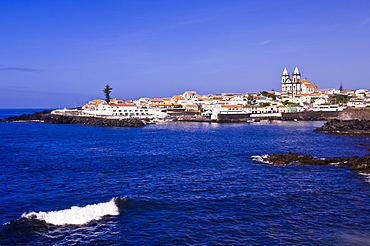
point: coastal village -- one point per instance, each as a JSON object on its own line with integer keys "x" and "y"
{"x": 296, "y": 95}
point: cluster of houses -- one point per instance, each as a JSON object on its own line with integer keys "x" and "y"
{"x": 296, "y": 95}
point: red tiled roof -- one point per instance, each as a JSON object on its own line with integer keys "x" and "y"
{"x": 230, "y": 106}
{"x": 123, "y": 105}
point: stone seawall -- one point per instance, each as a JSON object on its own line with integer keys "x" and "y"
{"x": 46, "y": 116}
{"x": 232, "y": 117}
{"x": 355, "y": 113}
{"x": 346, "y": 114}
{"x": 312, "y": 116}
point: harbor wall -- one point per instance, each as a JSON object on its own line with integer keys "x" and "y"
{"x": 323, "y": 115}
{"x": 346, "y": 114}
{"x": 355, "y": 113}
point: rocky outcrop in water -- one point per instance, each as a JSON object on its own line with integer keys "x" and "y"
{"x": 360, "y": 163}
{"x": 46, "y": 116}
{"x": 346, "y": 127}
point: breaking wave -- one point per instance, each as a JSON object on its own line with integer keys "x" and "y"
{"x": 367, "y": 176}
{"x": 76, "y": 215}
{"x": 260, "y": 158}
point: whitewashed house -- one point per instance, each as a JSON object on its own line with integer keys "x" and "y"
{"x": 238, "y": 100}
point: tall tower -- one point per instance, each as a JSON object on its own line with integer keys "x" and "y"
{"x": 291, "y": 86}
{"x": 296, "y": 75}
{"x": 284, "y": 80}
{"x": 284, "y": 76}
{"x": 297, "y": 85}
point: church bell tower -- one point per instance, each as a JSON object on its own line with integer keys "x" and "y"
{"x": 291, "y": 86}
{"x": 284, "y": 80}
{"x": 296, "y": 75}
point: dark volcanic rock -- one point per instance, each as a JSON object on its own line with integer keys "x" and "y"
{"x": 26, "y": 117}
{"x": 46, "y": 116}
{"x": 348, "y": 127}
{"x": 359, "y": 163}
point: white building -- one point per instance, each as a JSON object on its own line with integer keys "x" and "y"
{"x": 101, "y": 108}
{"x": 190, "y": 97}
{"x": 295, "y": 85}
{"x": 358, "y": 104}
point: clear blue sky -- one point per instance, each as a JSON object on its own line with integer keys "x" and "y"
{"x": 62, "y": 53}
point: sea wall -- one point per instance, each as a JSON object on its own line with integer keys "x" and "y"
{"x": 346, "y": 114}
{"x": 355, "y": 113}
{"x": 311, "y": 115}
{"x": 232, "y": 117}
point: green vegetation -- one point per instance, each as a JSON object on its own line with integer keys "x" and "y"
{"x": 250, "y": 99}
{"x": 264, "y": 104}
{"x": 267, "y": 94}
{"x": 339, "y": 99}
{"x": 107, "y": 90}
{"x": 286, "y": 102}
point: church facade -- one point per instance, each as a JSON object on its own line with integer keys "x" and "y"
{"x": 295, "y": 85}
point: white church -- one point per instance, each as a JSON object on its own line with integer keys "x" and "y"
{"x": 295, "y": 85}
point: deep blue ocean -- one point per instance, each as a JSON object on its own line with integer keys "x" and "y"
{"x": 177, "y": 184}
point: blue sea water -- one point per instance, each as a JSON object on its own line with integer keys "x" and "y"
{"x": 177, "y": 184}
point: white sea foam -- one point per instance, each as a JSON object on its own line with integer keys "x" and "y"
{"x": 367, "y": 176}
{"x": 76, "y": 215}
{"x": 260, "y": 158}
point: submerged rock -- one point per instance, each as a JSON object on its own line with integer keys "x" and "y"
{"x": 46, "y": 116}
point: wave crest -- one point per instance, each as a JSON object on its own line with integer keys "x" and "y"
{"x": 76, "y": 215}
{"x": 260, "y": 158}
{"x": 367, "y": 177}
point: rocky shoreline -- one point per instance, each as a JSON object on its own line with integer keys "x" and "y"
{"x": 346, "y": 127}
{"x": 47, "y": 116}
{"x": 343, "y": 125}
